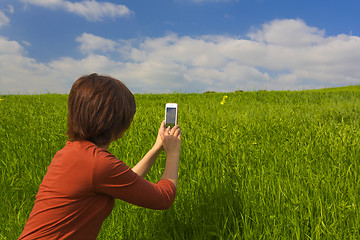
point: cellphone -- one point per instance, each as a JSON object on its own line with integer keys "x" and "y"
{"x": 171, "y": 113}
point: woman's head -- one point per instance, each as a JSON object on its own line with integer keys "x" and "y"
{"x": 101, "y": 108}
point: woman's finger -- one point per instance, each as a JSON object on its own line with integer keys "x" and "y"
{"x": 162, "y": 127}
{"x": 174, "y": 129}
{"x": 167, "y": 131}
{"x": 177, "y": 132}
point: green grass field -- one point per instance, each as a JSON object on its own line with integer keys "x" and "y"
{"x": 264, "y": 165}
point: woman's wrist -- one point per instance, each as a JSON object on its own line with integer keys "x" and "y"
{"x": 157, "y": 148}
{"x": 173, "y": 155}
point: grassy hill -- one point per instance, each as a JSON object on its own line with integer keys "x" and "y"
{"x": 264, "y": 165}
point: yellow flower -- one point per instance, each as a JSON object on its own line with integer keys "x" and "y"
{"x": 224, "y": 100}
{"x": 1, "y": 99}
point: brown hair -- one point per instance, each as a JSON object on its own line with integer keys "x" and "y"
{"x": 100, "y": 109}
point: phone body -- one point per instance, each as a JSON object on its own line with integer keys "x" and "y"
{"x": 171, "y": 113}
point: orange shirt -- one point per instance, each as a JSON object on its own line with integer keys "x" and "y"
{"x": 78, "y": 191}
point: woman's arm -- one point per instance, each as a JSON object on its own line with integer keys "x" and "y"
{"x": 113, "y": 177}
{"x": 172, "y": 146}
{"x": 145, "y": 164}
{"x": 170, "y": 141}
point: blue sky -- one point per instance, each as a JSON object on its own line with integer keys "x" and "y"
{"x": 179, "y": 45}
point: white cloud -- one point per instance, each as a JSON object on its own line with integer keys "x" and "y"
{"x": 10, "y": 47}
{"x": 221, "y": 63}
{"x": 4, "y": 20}
{"x": 20, "y": 74}
{"x": 11, "y": 9}
{"x": 91, "y": 10}
{"x": 45, "y": 3}
{"x": 291, "y": 32}
{"x": 26, "y": 43}
{"x": 95, "y": 11}
{"x": 90, "y": 43}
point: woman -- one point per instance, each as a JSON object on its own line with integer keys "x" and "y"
{"x": 78, "y": 191}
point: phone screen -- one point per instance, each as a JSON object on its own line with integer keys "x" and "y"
{"x": 170, "y": 117}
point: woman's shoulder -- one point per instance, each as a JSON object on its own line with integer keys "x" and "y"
{"x": 88, "y": 151}
{"x": 83, "y": 146}
{"x": 82, "y": 150}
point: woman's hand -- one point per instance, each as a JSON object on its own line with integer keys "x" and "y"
{"x": 172, "y": 140}
{"x": 172, "y": 144}
{"x": 168, "y": 139}
{"x": 144, "y": 165}
{"x": 159, "y": 140}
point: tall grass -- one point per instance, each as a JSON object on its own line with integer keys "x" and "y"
{"x": 264, "y": 165}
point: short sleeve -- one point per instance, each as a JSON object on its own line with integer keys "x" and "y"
{"x": 113, "y": 177}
